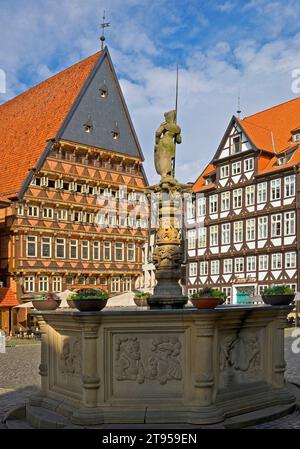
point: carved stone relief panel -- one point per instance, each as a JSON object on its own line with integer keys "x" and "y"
{"x": 70, "y": 357}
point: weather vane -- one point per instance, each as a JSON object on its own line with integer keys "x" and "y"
{"x": 103, "y": 26}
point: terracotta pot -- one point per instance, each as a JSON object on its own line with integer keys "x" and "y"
{"x": 278, "y": 300}
{"x": 46, "y": 304}
{"x": 141, "y": 302}
{"x": 87, "y": 305}
{"x": 205, "y": 302}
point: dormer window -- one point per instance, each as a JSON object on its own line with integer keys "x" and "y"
{"x": 236, "y": 145}
{"x": 281, "y": 160}
{"x": 207, "y": 182}
{"x": 296, "y": 137}
{"x": 116, "y": 132}
{"x": 88, "y": 125}
{"x": 103, "y": 91}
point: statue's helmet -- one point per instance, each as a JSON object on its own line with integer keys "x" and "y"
{"x": 170, "y": 116}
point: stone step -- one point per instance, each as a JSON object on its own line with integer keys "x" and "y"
{"x": 17, "y": 424}
{"x": 41, "y": 418}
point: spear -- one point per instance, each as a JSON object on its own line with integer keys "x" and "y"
{"x": 176, "y": 107}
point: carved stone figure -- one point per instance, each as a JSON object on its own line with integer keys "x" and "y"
{"x": 164, "y": 362}
{"x": 128, "y": 356}
{"x": 166, "y": 136}
{"x": 240, "y": 353}
{"x": 70, "y": 359}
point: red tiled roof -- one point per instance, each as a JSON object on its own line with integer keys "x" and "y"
{"x": 32, "y": 118}
{"x": 8, "y": 298}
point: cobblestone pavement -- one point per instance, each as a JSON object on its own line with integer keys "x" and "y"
{"x": 19, "y": 378}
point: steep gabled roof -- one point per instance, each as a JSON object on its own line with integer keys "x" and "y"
{"x": 32, "y": 118}
{"x": 8, "y": 298}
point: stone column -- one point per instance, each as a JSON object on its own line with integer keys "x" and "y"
{"x": 279, "y": 363}
{"x": 90, "y": 377}
{"x": 36, "y": 399}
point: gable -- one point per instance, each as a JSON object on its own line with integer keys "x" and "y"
{"x": 227, "y": 147}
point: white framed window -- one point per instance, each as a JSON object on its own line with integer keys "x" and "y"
{"x": 20, "y": 209}
{"x": 31, "y": 246}
{"x": 44, "y": 181}
{"x": 59, "y": 184}
{"x": 250, "y": 229}
{"x": 251, "y": 263}
{"x": 119, "y": 251}
{"x": 213, "y": 204}
{"x": 261, "y": 192}
{"x": 29, "y": 284}
{"x": 227, "y": 266}
{"x": 289, "y": 223}
{"x": 73, "y": 249}
{"x": 262, "y": 227}
{"x": 204, "y": 268}
{"x": 96, "y": 250}
{"x": 62, "y": 214}
{"x": 237, "y": 198}
{"x": 48, "y": 212}
{"x": 190, "y": 208}
{"x": 33, "y": 211}
{"x": 43, "y": 284}
{"x": 250, "y": 195}
{"x": 193, "y": 269}
{"x": 239, "y": 265}
{"x": 225, "y": 236}
{"x": 227, "y": 291}
{"x": 215, "y": 267}
{"x": 46, "y": 247}
{"x": 276, "y": 261}
{"x": 213, "y": 235}
{"x": 202, "y": 237}
{"x": 236, "y": 168}
{"x": 130, "y": 252}
{"x": 276, "y": 225}
{"x": 191, "y": 237}
{"x": 249, "y": 164}
{"x": 115, "y": 284}
{"x": 263, "y": 262}
{"x": 224, "y": 171}
{"x": 238, "y": 231}
{"x": 60, "y": 248}
{"x": 225, "y": 201}
{"x": 290, "y": 260}
{"x": 275, "y": 189}
{"x": 92, "y": 280}
{"x": 289, "y": 186}
{"x": 236, "y": 145}
{"x": 81, "y": 280}
{"x": 56, "y": 284}
{"x": 201, "y": 206}
{"x": 107, "y": 251}
{"x": 85, "y": 249}
{"x": 127, "y": 284}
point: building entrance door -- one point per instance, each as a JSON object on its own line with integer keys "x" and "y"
{"x": 243, "y": 293}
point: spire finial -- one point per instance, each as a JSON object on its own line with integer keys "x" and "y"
{"x": 103, "y": 26}
{"x": 239, "y": 105}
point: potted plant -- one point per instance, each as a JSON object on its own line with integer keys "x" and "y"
{"x": 47, "y": 301}
{"x": 88, "y": 299}
{"x": 278, "y": 295}
{"x": 141, "y": 299}
{"x": 207, "y": 298}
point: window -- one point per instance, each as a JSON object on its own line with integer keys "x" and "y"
{"x": 115, "y": 284}
{"x": 227, "y": 266}
{"x": 43, "y": 284}
{"x": 85, "y": 250}
{"x": 73, "y": 249}
{"x": 227, "y": 292}
{"x": 249, "y": 164}
{"x": 46, "y": 247}
{"x": 201, "y": 237}
{"x": 238, "y": 232}
{"x": 62, "y": 214}
{"x": 225, "y": 233}
{"x": 276, "y": 225}
{"x": 236, "y": 168}
{"x": 59, "y": 184}
{"x": 31, "y": 246}
{"x": 69, "y": 280}
{"x": 20, "y": 209}
{"x": 191, "y": 237}
{"x": 119, "y": 251}
{"x": 225, "y": 201}
{"x": 29, "y": 284}
{"x": 107, "y": 250}
{"x": 201, "y": 206}
{"x": 263, "y": 262}
{"x": 131, "y": 252}
{"x": 250, "y": 195}
{"x": 193, "y": 269}
{"x": 33, "y": 211}
{"x": 250, "y": 229}
{"x": 251, "y": 263}
{"x": 261, "y": 192}
{"x": 289, "y": 223}
{"x": 236, "y": 145}
{"x": 290, "y": 260}
{"x": 127, "y": 284}
{"x": 239, "y": 264}
{"x": 224, "y": 171}
{"x": 190, "y": 207}
{"x": 289, "y": 186}
{"x": 56, "y": 284}
{"x": 92, "y": 281}
{"x": 81, "y": 280}
{"x": 262, "y": 227}
{"x": 213, "y": 204}
{"x": 96, "y": 250}
{"x": 60, "y": 248}
{"x": 215, "y": 267}
{"x": 203, "y": 268}
{"x": 276, "y": 261}
{"x": 296, "y": 137}
{"x": 275, "y": 189}
{"x": 237, "y": 198}
{"x": 214, "y": 235}
{"x": 48, "y": 212}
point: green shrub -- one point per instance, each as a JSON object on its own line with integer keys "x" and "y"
{"x": 209, "y": 292}
{"x": 141, "y": 295}
{"x": 89, "y": 294}
{"x": 278, "y": 290}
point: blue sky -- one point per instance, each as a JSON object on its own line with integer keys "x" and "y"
{"x": 222, "y": 47}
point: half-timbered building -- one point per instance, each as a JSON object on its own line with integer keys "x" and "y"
{"x": 69, "y": 157}
{"x": 242, "y": 232}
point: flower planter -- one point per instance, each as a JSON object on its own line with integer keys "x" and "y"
{"x": 46, "y": 304}
{"x": 141, "y": 302}
{"x": 205, "y": 302}
{"x": 87, "y": 305}
{"x": 278, "y": 300}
